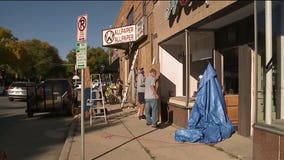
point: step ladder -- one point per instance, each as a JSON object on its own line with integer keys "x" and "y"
{"x": 125, "y": 94}
{"x": 97, "y": 104}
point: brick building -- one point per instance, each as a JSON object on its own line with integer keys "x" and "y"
{"x": 179, "y": 42}
{"x": 135, "y": 13}
{"x": 182, "y": 37}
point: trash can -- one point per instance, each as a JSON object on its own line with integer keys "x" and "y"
{"x": 87, "y": 97}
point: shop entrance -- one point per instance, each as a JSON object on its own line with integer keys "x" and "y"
{"x": 234, "y": 69}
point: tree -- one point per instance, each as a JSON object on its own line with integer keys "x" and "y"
{"x": 70, "y": 63}
{"x": 29, "y": 59}
{"x": 97, "y": 59}
{"x": 7, "y": 42}
{"x": 45, "y": 61}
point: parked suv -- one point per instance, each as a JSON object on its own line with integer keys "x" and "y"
{"x": 20, "y": 90}
{"x": 52, "y": 95}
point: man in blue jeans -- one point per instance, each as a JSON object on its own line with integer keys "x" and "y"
{"x": 151, "y": 99}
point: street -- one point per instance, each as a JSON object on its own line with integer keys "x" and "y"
{"x": 39, "y": 137}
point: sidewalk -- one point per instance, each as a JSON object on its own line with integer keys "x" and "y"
{"x": 128, "y": 138}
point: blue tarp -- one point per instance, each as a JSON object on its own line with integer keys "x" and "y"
{"x": 208, "y": 122}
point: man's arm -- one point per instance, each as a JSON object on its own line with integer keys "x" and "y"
{"x": 153, "y": 88}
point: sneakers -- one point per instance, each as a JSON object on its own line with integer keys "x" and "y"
{"x": 155, "y": 126}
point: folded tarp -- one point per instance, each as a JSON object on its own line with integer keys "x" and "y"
{"x": 208, "y": 122}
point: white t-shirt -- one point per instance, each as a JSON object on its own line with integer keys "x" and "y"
{"x": 140, "y": 83}
{"x": 150, "y": 81}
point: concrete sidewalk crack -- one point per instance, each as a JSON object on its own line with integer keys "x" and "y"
{"x": 137, "y": 139}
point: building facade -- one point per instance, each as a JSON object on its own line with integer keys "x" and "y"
{"x": 268, "y": 137}
{"x": 181, "y": 38}
{"x": 243, "y": 40}
{"x": 138, "y": 14}
{"x": 196, "y": 33}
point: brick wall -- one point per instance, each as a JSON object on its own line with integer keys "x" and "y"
{"x": 144, "y": 46}
{"x": 267, "y": 145}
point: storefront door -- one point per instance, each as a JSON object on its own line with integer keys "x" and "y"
{"x": 234, "y": 70}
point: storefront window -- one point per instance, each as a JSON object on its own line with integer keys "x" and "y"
{"x": 228, "y": 42}
{"x": 274, "y": 65}
{"x": 231, "y": 78}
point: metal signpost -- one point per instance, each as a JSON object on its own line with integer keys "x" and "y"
{"x": 81, "y": 63}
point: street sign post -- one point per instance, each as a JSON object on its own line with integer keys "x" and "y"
{"x": 81, "y": 63}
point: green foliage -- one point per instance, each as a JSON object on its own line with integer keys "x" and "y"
{"x": 38, "y": 60}
{"x": 70, "y": 63}
{"x": 29, "y": 59}
{"x": 6, "y": 47}
{"x": 97, "y": 59}
{"x": 45, "y": 62}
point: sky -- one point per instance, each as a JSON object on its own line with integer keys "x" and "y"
{"x": 55, "y": 22}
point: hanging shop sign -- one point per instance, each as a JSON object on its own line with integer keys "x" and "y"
{"x": 141, "y": 28}
{"x": 119, "y": 35}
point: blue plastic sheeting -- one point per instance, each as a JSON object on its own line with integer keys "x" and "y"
{"x": 208, "y": 122}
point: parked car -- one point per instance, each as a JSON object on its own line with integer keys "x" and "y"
{"x": 21, "y": 90}
{"x": 52, "y": 95}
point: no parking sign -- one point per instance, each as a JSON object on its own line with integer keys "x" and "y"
{"x": 81, "y": 49}
{"x": 82, "y": 28}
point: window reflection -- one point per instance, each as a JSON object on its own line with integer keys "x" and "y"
{"x": 277, "y": 61}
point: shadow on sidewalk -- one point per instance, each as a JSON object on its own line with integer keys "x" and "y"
{"x": 117, "y": 116}
{"x": 114, "y": 117}
{"x": 113, "y": 111}
{"x": 126, "y": 142}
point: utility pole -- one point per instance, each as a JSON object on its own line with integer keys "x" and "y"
{"x": 109, "y": 57}
{"x": 109, "y": 76}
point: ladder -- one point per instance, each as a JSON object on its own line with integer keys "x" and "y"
{"x": 97, "y": 102}
{"x": 125, "y": 94}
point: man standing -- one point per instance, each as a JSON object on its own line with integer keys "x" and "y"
{"x": 151, "y": 99}
{"x": 141, "y": 91}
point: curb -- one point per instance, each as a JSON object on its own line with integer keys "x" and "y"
{"x": 64, "y": 155}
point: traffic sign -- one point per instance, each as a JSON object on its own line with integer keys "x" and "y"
{"x": 82, "y": 28}
{"x": 81, "y": 55}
